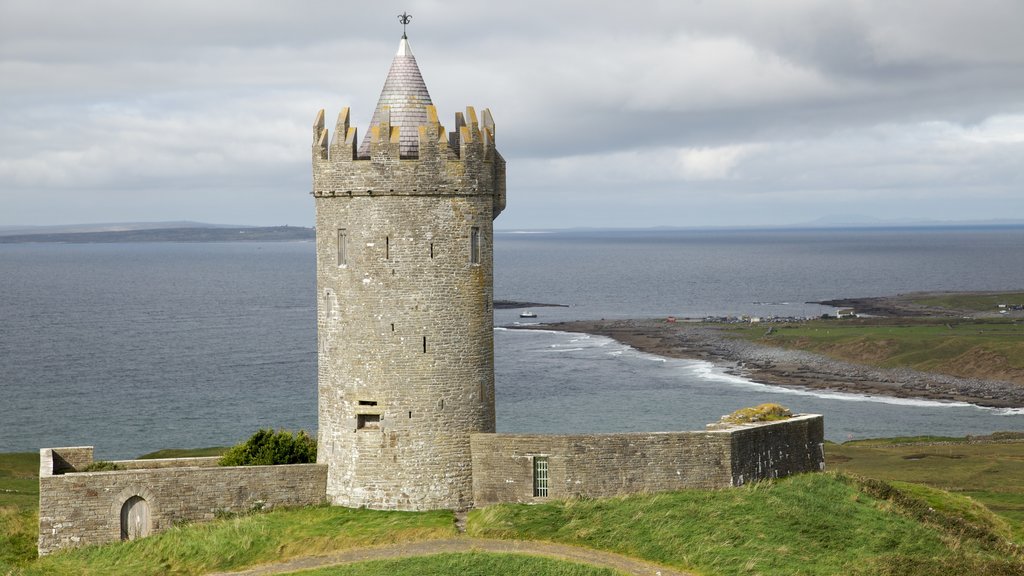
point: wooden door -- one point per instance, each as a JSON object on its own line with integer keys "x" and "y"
{"x": 134, "y": 518}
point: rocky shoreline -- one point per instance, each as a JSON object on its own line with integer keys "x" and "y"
{"x": 791, "y": 368}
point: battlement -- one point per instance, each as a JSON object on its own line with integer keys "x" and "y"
{"x": 472, "y": 139}
{"x": 463, "y": 162}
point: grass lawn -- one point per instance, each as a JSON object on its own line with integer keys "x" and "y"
{"x": 19, "y": 507}
{"x": 463, "y": 564}
{"x": 967, "y": 348}
{"x": 808, "y": 524}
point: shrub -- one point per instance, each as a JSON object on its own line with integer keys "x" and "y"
{"x": 761, "y": 413}
{"x": 269, "y": 447}
{"x": 101, "y": 466}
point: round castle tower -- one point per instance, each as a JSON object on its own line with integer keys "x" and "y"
{"x": 404, "y": 288}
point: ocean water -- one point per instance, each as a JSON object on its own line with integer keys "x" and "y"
{"x": 137, "y": 347}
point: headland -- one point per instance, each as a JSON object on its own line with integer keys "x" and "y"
{"x": 966, "y": 347}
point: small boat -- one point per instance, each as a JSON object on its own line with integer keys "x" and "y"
{"x": 527, "y": 314}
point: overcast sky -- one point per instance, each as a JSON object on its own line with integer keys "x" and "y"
{"x": 642, "y": 113}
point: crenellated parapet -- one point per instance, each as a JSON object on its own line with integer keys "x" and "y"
{"x": 462, "y": 162}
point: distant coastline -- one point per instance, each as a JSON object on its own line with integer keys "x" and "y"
{"x": 190, "y": 234}
{"x": 791, "y": 368}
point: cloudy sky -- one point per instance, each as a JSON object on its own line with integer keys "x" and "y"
{"x": 643, "y": 113}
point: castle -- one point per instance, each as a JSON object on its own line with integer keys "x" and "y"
{"x": 406, "y": 362}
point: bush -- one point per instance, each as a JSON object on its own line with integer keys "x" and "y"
{"x": 268, "y": 447}
{"x": 101, "y": 466}
{"x": 761, "y": 413}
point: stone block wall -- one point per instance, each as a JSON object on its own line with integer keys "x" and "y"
{"x": 778, "y": 449}
{"x": 83, "y": 508}
{"x": 601, "y": 465}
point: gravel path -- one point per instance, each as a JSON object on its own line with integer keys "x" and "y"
{"x": 623, "y": 564}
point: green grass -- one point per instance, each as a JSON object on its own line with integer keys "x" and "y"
{"x": 19, "y": 507}
{"x": 19, "y": 480}
{"x": 809, "y": 524}
{"x": 990, "y": 472}
{"x": 246, "y": 541}
{"x": 967, "y": 348}
{"x": 185, "y": 453}
{"x": 463, "y": 564}
{"x": 971, "y": 302}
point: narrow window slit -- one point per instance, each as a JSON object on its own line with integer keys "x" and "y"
{"x": 424, "y": 344}
{"x": 474, "y": 245}
{"x": 367, "y": 402}
{"x": 342, "y": 247}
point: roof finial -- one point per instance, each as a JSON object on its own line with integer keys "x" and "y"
{"x": 404, "y": 19}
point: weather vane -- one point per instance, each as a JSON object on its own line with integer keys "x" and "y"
{"x": 404, "y": 19}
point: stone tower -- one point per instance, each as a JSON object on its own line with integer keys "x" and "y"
{"x": 404, "y": 288}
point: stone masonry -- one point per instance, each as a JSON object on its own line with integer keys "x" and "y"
{"x": 600, "y": 465}
{"x": 82, "y": 508}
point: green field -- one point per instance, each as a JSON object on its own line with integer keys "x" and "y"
{"x": 989, "y": 472}
{"x": 185, "y": 453}
{"x": 992, "y": 349}
{"x": 973, "y": 302}
{"x": 19, "y": 507}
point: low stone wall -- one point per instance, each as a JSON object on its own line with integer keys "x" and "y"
{"x": 600, "y": 465}
{"x": 82, "y": 508}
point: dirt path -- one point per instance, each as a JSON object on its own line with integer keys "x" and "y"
{"x": 623, "y": 564}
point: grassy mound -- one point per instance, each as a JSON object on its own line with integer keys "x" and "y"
{"x": 988, "y": 469}
{"x": 464, "y": 564}
{"x": 809, "y": 524}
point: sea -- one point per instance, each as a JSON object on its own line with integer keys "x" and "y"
{"x": 135, "y": 347}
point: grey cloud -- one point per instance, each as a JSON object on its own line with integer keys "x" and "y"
{"x": 213, "y": 100}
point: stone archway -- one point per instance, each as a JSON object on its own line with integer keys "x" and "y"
{"x": 135, "y": 521}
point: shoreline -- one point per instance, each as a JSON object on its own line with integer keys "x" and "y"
{"x": 790, "y": 368}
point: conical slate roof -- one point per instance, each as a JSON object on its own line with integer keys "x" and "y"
{"x": 406, "y": 93}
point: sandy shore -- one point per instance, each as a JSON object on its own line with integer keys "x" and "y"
{"x": 792, "y": 368}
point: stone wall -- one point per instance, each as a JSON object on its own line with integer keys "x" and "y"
{"x": 777, "y": 449}
{"x": 83, "y": 508}
{"x": 599, "y": 465}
